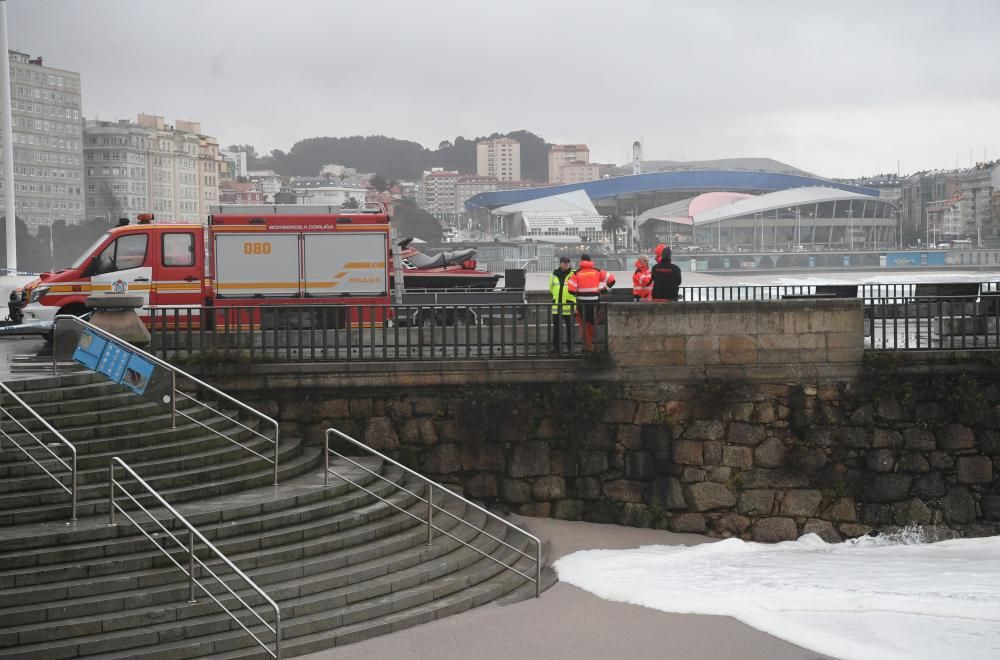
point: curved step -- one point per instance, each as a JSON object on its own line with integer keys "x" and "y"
{"x": 24, "y": 570}
{"x": 242, "y": 474}
{"x": 118, "y": 611}
{"x": 94, "y": 453}
{"x": 202, "y": 624}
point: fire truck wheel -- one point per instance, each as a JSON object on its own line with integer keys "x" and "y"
{"x": 75, "y": 309}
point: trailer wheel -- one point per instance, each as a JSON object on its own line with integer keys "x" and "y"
{"x": 465, "y": 317}
{"x": 430, "y": 319}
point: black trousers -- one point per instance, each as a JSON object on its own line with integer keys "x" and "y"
{"x": 559, "y": 320}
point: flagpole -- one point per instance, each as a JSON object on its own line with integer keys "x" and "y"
{"x": 7, "y": 136}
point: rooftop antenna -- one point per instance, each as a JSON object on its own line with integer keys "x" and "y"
{"x": 7, "y": 132}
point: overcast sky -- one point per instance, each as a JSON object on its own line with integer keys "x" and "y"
{"x": 838, "y": 88}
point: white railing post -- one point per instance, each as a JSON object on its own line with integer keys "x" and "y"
{"x": 430, "y": 514}
{"x": 191, "y": 598}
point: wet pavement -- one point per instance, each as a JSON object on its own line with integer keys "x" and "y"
{"x": 22, "y": 358}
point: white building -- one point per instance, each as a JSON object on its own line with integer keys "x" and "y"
{"x": 150, "y": 166}
{"x": 237, "y": 162}
{"x": 326, "y": 190}
{"x": 565, "y": 218}
{"x": 48, "y": 142}
{"x": 499, "y": 157}
{"x": 271, "y": 185}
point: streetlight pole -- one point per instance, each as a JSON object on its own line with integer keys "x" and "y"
{"x": 798, "y": 225}
{"x": 850, "y": 223}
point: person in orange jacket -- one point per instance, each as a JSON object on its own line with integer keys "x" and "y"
{"x": 587, "y": 283}
{"x": 642, "y": 280}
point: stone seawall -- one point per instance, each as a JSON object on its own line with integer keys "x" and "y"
{"x": 711, "y": 433}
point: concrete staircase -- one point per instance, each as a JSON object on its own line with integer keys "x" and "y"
{"x": 342, "y": 565}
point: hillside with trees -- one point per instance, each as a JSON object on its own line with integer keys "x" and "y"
{"x": 392, "y": 157}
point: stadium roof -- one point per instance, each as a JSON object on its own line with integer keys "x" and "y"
{"x": 574, "y": 201}
{"x": 683, "y": 211}
{"x": 779, "y": 200}
{"x": 694, "y": 180}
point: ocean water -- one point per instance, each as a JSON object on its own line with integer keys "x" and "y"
{"x": 889, "y": 598}
{"x": 539, "y": 281}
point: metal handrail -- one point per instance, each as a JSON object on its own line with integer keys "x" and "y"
{"x": 431, "y": 507}
{"x": 174, "y": 371}
{"x": 193, "y": 560}
{"x": 59, "y": 436}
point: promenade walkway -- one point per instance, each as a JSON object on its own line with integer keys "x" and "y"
{"x": 568, "y": 623}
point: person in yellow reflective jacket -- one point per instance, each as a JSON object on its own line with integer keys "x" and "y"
{"x": 563, "y": 306}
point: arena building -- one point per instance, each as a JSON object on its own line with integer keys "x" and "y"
{"x": 630, "y": 196}
{"x": 797, "y": 219}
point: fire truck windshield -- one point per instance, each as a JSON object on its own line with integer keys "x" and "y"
{"x": 89, "y": 251}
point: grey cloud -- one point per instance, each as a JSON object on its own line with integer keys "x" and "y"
{"x": 835, "y": 88}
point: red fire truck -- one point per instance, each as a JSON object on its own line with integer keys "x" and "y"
{"x": 244, "y": 257}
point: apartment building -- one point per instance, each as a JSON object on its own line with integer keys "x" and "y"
{"x": 470, "y": 186}
{"x": 976, "y": 186}
{"x": 499, "y": 157}
{"x": 579, "y": 171}
{"x": 48, "y": 142}
{"x": 148, "y": 165}
{"x": 917, "y": 191}
{"x": 437, "y": 191}
{"x": 561, "y": 155}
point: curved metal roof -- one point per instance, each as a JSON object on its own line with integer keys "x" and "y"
{"x": 695, "y": 180}
{"x": 779, "y": 200}
{"x": 683, "y": 211}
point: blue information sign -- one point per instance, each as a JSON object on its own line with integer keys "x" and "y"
{"x": 137, "y": 374}
{"x": 89, "y": 349}
{"x": 115, "y": 361}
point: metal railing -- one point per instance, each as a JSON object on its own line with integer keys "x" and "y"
{"x": 193, "y": 562}
{"x": 433, "y": 508}
{"x": 321, "y": 333}
{"x": 175, "y": 393}
{"x": 933, "y": 323}
{"x": 71, "y": 466}
{"x": 324, "y": 333}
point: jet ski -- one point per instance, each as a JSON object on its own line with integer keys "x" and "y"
{"x": 455, "y": 269}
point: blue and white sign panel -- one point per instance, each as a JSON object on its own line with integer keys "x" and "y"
{"x": 137, "y": 374}
{"x": 89, "y": 350}
{"x": 115, "y": 361}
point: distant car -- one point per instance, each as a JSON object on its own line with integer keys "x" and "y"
{"x": 799, "y": 248}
